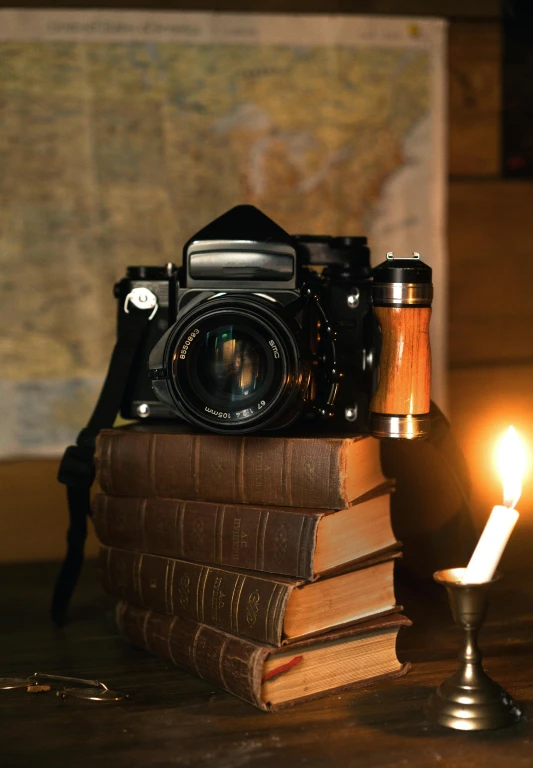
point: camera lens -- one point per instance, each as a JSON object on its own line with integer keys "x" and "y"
{"x": 231, "y": 366}
{"x": 235, "y": 367}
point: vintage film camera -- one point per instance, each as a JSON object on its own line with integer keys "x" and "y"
{"x": 260, "y": 329}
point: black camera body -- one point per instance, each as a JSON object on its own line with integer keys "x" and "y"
{"x": 260, "y": 337}
{"x": 259, "y": 329}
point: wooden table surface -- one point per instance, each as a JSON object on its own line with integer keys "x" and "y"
{"x": 174, "y": 719}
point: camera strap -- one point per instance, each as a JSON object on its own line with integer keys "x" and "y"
{"x": 77, "y": 468}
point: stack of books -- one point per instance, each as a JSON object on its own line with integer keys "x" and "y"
{"x": 263, "y": 564}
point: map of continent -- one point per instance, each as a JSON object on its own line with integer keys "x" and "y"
{"x": 115, "y": 153}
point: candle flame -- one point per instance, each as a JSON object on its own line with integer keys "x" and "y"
{"x": 511, "y": 460}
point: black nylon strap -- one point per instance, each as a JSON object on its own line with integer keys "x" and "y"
{"x": 76, "y": 470}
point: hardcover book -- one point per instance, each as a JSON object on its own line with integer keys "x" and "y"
{"x": 170, "y": 461}
{"x": 271, "y": 609}
{"x": 268, "y": 677}
{"x": 295, "y": 542}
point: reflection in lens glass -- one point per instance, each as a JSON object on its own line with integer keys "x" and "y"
{"x": 232, "y": 364}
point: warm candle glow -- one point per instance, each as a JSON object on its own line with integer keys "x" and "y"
{"x": 511, "y": 460}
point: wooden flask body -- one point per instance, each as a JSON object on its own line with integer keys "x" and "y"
{"x": 405, "y": 361}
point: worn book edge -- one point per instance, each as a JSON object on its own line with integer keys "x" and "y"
{"x": 258, "y": 652}
{"x": 334, "y": 487}
{"x": 272, "y": 622}
{"x": 307, "y": 544}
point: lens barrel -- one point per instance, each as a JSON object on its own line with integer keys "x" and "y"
{"x": 235, "y": 365}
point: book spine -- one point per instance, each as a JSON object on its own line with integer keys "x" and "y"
{"x": 256, "y": 539}
{"x": 234, "y": 469}
{"x": 236, "y": 602}
{"x": 231, "y": 662}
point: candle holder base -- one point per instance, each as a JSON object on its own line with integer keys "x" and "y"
{"x": 470, "y": 700}
{"x": 473, "y": 705}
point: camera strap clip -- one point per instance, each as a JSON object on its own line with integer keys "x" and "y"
{"x": 142, "y": 298}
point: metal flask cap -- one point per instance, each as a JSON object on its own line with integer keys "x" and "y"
{"x": 402, "y": 282}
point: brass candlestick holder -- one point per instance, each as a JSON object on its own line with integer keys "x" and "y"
{"x": 470, "y": 700}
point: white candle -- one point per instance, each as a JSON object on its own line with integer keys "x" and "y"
{"x": 490, "y": 546}
{"x": 511, "y": 463}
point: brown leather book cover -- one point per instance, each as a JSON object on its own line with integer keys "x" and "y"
{"x": 241, "y": 602}
{"x": 166, "y": 461}
{"x": 234, "y": 663}
{"x": 270, "y": 539}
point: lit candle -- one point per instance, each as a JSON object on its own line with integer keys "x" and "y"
{"x": 511, "y": 459}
